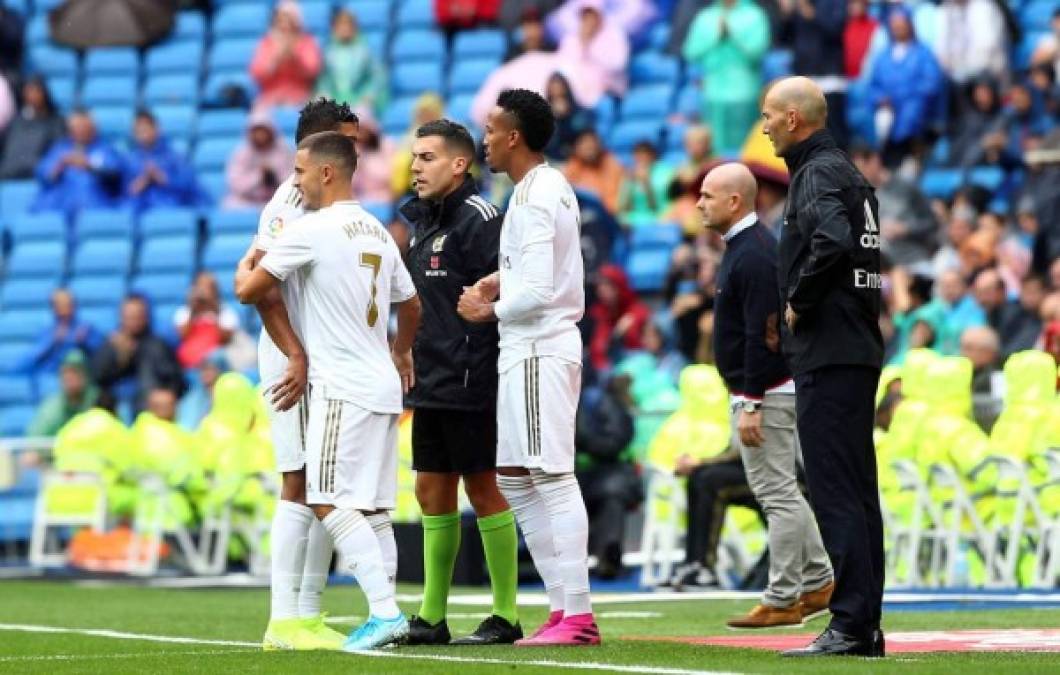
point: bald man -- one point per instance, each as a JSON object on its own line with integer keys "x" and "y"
{"x": 747, "y": 353}
{"x": 829, "y": 273}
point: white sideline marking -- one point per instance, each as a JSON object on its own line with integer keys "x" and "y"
{"x": 394, "y": 654}
{"x": 482, "y": 615}
{"x": 119, "y": 635}
{"x": 101, "y": 657}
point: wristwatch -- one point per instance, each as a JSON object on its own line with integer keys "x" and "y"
{"x": 751, "y": 407}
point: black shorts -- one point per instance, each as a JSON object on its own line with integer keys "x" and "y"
{"x": 454, "y": 441}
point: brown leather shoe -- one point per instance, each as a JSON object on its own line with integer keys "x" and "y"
{"x": 815, "y": 603}
{"x": 763, "y": 616}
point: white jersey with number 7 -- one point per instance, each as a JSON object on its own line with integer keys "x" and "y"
{"x": 352, "y": 272}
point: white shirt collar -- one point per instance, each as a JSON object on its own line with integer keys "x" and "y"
{"x": 741, "y": 225}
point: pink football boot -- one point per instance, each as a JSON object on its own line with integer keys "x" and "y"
{"x": 572, "y": 631}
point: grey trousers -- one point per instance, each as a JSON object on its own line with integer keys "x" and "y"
{"x": 798, "y": 562}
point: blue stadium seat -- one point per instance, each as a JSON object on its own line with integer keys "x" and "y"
{"x": 108, "y": 90}
{"x": 675, "y": 137}
{"x": 414, "y": 78}
{"x": 286, "y": 119}
{"x": 316, "y": 16}
{"x": 663, "y": 236}
{"x": 654, "y": 68}
{"x": 226, "y": 123}
{"x": 37, "y": 30}
{"x": 214, "y": 184}
{"x": 37, "y": 259}
{"x": 102, "y": 256}
{"x": 212, "y": 154}
{"x": 171, "y": 90}
{"x": 659, "y": 36}
{"x": 398, "y": 116}
{"x": 51, "y": 61}
{"x": 606, "y": 110}
{"x": 114, "y": 122}
{"x": 940, "y": 182}
{"x": 231, "y": 54}
{"x": 776, "y": 64}
{"x": 383, "y": 211}
{"x": 162, "y": 288}
{"x": 104, "y": 319}
{"x": 112, "y": 61}
{"x": 162, "y": 320}
{"x": 16, "y": 196}
{"x": 373, "y": 16}
{"x": 103, "y": 224}
{"x": 189, "y": 25}
{"x": 940, "y": 152}
{"x": 169, "y": 254}
{"x": 44, "y": 226}
{"x": 458, "y": 109}
{"x": 376, "y": 41}
{"x": 173, "y": 58}
{"x": 175, "y": 121}
{"x": 690, "y": 101}
{"x": 26, "y": 293}
{"x": 22, "y": 324}
{"x": 485, "y": 43}
{"x": 63, "y": 91}
{"x": 467, "y": 75}
{"x": 223, "y": 252}
{"x": 12, "y": 351}
{"x": 215, "y": 93}
{"x": 98, "y": 291}
{"x": 168, "y": 220}
{"x": 626, "y": 134}
{"x": 648, "y": 102}
{"x": 14, "y": 419}
{"x": 415, "y": 14}
{"x": 240, "y": 20}
{"x": 22, "y": 7}
{"x": 233, "y": 221}
{"x": 647, "y": 269}
{"x": 417, "y": 45}
{"x": 987, "y": 177}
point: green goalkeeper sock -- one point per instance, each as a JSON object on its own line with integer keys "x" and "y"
{"x": 501, "y": 547}
{"x": 441, "y": 541}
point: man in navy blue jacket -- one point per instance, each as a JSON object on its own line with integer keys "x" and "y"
{"x": 747, "y": 316}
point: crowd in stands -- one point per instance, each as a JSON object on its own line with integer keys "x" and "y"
{"x": 950, "y": 109}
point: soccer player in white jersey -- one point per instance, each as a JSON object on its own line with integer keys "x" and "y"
{"x": 542, "y": 297}
{"x": 352, "y": 272}
{"x": 300, "y": 563}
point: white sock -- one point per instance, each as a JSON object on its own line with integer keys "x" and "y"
{"x": 290, "y": 532}
{"x": 532, "y": 515}
{"x": 359, "y": 553}
{"x": 384, "y": 533}
{"x": 570, "y": 532}
{"x": 315, "y": 573}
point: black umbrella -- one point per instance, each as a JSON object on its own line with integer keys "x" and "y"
{"x": 104, "y": 23}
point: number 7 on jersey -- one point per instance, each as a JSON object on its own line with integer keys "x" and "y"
{"x": 375, "y": 262}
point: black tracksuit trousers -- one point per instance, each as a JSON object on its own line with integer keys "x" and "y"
{"x": 835, "y": 408}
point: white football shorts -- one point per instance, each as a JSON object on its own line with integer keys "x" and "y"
{"x": 351, "y": 456}
{"x": 537, "y": 400}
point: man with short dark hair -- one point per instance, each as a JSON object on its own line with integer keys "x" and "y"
{"x": 829, "y": 276}
{"x": 155, "y": 174}
{"x": 541, "y": 285}
{"x": 352, "y": 273}
{"x": 299, "y": 572}
{"x": 454, "y": 429}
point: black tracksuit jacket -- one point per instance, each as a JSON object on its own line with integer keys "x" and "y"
{"x": 829, "y": 262}
{"x": 454, "y": 244}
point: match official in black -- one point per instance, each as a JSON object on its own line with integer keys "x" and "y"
{"x": 829, "y": 267}
{"x": 456, "y": 241}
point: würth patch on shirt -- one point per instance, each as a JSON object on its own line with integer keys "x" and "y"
{"x": 436, "y": 263}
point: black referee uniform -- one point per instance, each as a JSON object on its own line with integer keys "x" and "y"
{"x": 455, "y": 243}
{"x": 829, "y": 270}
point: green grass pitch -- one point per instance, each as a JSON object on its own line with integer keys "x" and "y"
{"x": 218, "y": 621}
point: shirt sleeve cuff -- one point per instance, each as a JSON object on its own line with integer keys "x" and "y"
{"x": 267, "y": 265}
